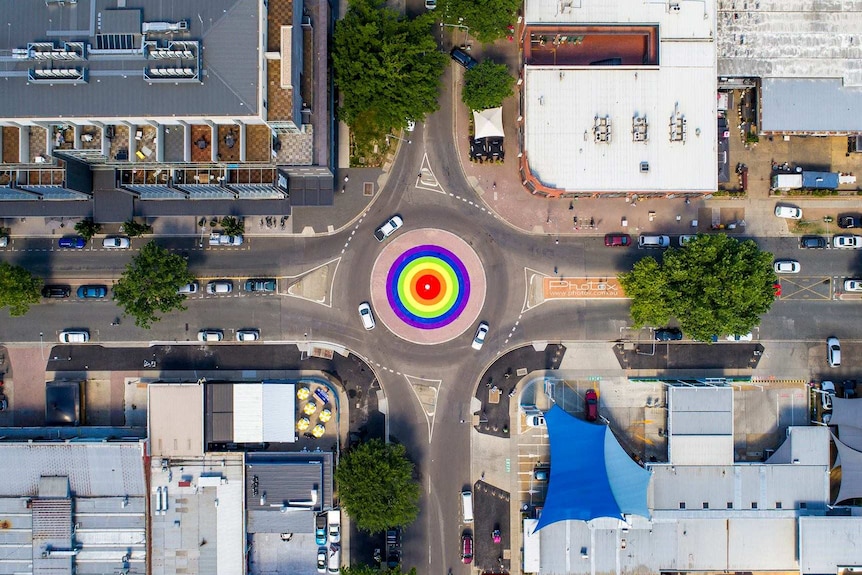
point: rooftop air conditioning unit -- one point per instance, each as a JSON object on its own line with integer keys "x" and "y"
{"x": 644, "y": 167}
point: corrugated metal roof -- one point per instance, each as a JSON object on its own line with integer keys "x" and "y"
{"x": 809, "y": 105}
{"x": 825, "y": 543}
{"x": 278, "y": 412}
{"x": 247, "y": 413}
{"x": 701, "y": 450}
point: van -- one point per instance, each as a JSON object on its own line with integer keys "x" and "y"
{"x": 74, "y": 336}
{"x": 653, "y": 241}
{"x": 467, "y": 505}
{"x": 334, "y": 563}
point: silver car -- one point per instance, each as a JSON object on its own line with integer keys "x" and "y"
{"x": 218, "y": 287}
{"x": 116, "y": 243}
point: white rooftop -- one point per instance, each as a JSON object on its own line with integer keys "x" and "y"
{"x": 828, "y": 543}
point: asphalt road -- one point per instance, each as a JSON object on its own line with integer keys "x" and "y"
{"x": 438, "y": 442}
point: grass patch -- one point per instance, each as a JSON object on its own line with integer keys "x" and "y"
{"x": 813, "y": 227}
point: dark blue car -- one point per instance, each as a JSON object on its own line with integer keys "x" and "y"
{"x": 92, "y": 292}
{"x": 75, "y": 242}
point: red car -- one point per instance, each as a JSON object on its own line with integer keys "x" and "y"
{"x": 618, "y": 240}
{"x": 467, "y": 548}
{"x": 591, "y": 405}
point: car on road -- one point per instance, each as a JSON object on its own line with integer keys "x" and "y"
{"x": 92, "y": 292}
{"x": 847, "y": 241}
{"x": 74, "y": 336}
{"x": 833, "y": 352}
{"x": 853, "y": 285}
{"x": 411, "y": 124}
{"x": 848, "y": 221}
{"x": 618, "y": 240}
{"x": 789, "y": 212}
{"x": 264, "y": 285}
{"x": 463, "y": 58}
{"x": 591, "y": 405}
{"x": 4, "y": 403}
{"x": 208, "y": 335}
{"x": 653, "y": 241}
{"x": 388, "y": 228}
{"x": 217, "y": 287}
{"x": 219, "y": 239}
{"x": 479, "y": 338}
{"x": 467, "y": 548}
{"x": 786, "y": 267}
{"x": 248, "y": 334}
{"x": 813, "y": 242}
{"x": 116, "y": 243}
{"x": 430, "y": 4}
{"x": 74, "y": 242}
{"x": 189, "y": 288}
{"x": 321, "y": 559}
{"x": 4, "y": 241}
{"x": 685, "y": 239}
{"x": 56, "y": 291}
{"x": 827, "y": 389}
{"x": 366, "y": 315}
{"x": 744, "y": 337}
{"x": 668, "y": 334}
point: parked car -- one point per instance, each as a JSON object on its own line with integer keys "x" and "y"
{"x": 653, "y": 241}
{"x": 218, "y": 287}
{"x": 479, "y": 338}
{"x": 853, "y": 285}
{"x": 219, "y": 239}
{"x": 208, "y": 335}
{"x": 541, "y": 473}
{"x": 189, "y": 288}
{"x": 74, "y": 242}
{"x": 463, "y": 58}
{"x": 321, "y": 559}
{"x": 74, "y": 336}
{"x": 618, "y": 240}
{"x": 789, "y": 212}
{"x": 591, "y": 405}
{"x": 668, "y": 334}
{"x": 248, "y": 335}
{"x": 833, "y": 352}
{"x": 467, "y": 548}
{"x": 333, "y": 518}
{"x": 430, "y": 4}
{"x": 116, "y": 243}
{"x": 847, "y": 241}
{"x": 4, "y": 241}
{"x": 686, "y": 238}
{"x": 745, "y": 337}
{"x": 264, "y": 285}
{"x": 786, "y": 267}
{"x": 535, "y": 417}
{"x": 56, "y": 291}
{"x": 849, "y": 388}
{"x": 827, "y": 389}
{"x": 320, "y": 529}
{"x": 388, "y": 228}
{"x": 366, "y": 315}
{"x": 813, "y": 242}
{"x": 848, "y": 221}
{"x": 92, "y": 292}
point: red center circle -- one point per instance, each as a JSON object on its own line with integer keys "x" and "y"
{"x": 428, "y": 286}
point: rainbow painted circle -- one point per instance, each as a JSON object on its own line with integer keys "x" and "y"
{"x": 428, "y": 287}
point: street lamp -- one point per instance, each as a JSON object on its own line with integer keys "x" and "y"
{"x": 397, "y": 138}
{"x": 466, "y": 30}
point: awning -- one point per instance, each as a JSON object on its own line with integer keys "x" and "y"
{"x": 488, "y": 123}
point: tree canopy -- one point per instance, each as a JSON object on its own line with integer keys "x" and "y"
{"x": 715, "y": 285}
{"x": 386, "y": 68}
{"x": 487, "y": 85}
{"x": 362, "y": 569}
{"x": 149, "y": 284}
{"x": 488, "y": 20}
{"x": 87, "y": 228}
{"x": 376, "y": 486}
{"x": 18, "y": 289}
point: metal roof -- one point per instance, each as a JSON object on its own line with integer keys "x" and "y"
{"x": 827, "y": 543}
{"x": 810, "y": 105}
{"x": 175, "y": 413}
{"x": 700, "y": 423}
{"x": 230, "y": 36}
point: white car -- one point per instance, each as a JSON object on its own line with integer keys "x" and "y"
{"x": 787, "y": 267}
{"x": 847, "y": 241}
{"x": 219, "y": 287}
{"x": 217, "y": 239}
{"x": 789, "y": 212}
{"x": 685, "y": 239}
{"x": 827, "y": 389}
{"x": 430, "y": 4}
{"x": 208, "y": 335}
{"x": 116, "y": 243}
{"x": 321, "y": 559}
{"x": 366, "y": 315}
{"x": 4, "y": 241}
{"x": 411, "y": 123}
{"x": 853, "y": 285}
{"x": 248, "y": 335}
{"x": 189, "y": 288}
{"x": 479, "y": 338}
{"x": 833, "y": 352}
{"x": 74, "y": 336}
{"x": 745, "y": 337}
{"x": 388, "y": 228}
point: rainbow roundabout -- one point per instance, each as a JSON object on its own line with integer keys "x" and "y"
{"x": 427, "y": 286}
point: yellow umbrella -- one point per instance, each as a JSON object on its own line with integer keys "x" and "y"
{"x": 310, "y": 408}
{"x": 302, "y": 393}
{"x": 303, "y": 423}
{"x": 318, "y": 431}
{"x": 325, "y": 416}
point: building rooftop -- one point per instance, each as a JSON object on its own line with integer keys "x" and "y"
{"x": 176, "y": 419}
{"x": 700, "y": 424}
{"x": 826, "y": 544}
{"x": 809, "y": 105}
{"x": 146, "y": 59}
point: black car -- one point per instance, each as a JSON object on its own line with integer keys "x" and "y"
{"x": 813, "y": 242}
{"x": 668, "y": 334}
{"x": 848, "y": 222}
{"x": 463, "y": 58}
{"x": 56, "y": 291}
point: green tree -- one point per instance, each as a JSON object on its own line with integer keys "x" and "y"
{"x": 87, "y": 228}
{"x": 488, "y": 20}
{"x": 715, "y": 285}
{"x": 376, "y": 486}
{"x": 487, "y": 85}
{"x": 233, "y": 226}
{"x": 18, "y": 289}
{"x": 135, "y": 229}
{"x": 149, "y": 284}
{"x": 362, "y": 569}
{"x": 387, "y": 68}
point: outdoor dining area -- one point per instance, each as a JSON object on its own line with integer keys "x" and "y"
{"x": 315, "y": 410}
{"x": 486, "y": 144}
